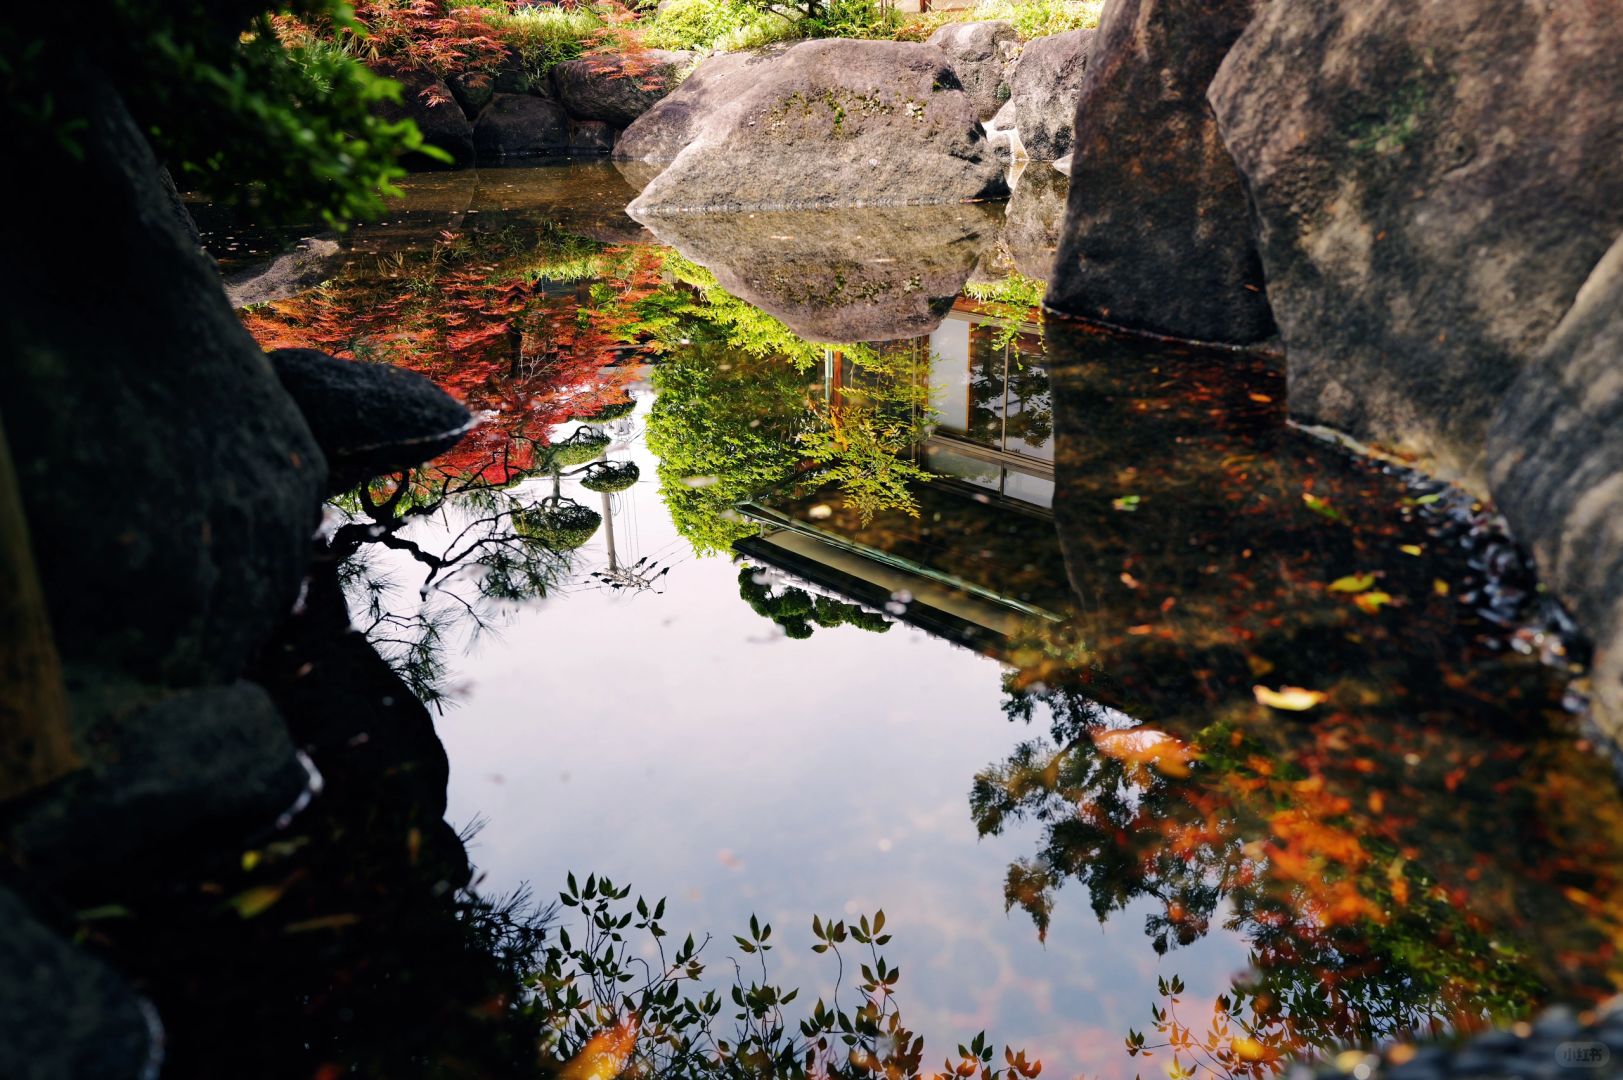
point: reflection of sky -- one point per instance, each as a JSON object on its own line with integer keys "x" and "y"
{"x": 681, "y": 744}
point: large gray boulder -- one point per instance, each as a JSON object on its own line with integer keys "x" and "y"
{"x": 834, "y": 123}
{"x": 1158, "y": 236}
{"x": 1555, "y": 464}
{"x": 1432, "y": 184}
{"x": 170, "y": 485}
{"x": 981, "y": 53}
{"x": 64, "y": 1014}
{"x": 863, "y": 275}
{"x": 520, "y": 125}
{"x": 617, "y": 88}
{"x": 305, "y": 265}
{"x": 665, "y": 130}
{"x": 1044, "y": 87}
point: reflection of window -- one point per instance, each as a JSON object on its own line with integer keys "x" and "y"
{"x": 993, "y": 394}
{"x": 1012, "y": 482}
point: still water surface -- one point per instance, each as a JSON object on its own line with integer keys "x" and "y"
{"x": 1069, "y": 654}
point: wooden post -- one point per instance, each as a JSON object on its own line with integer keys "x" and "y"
{"x": 36, "y": 740}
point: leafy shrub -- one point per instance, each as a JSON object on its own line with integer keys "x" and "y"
{"x": 613, "y": 411}
{"x": 581, "y": 447}
{"x": 620, "y": 1008}
{"x": 1040, "y": 18}
{"x": 545, "y": 36}
{"x": 557, "y": 524}
{"x": 721, "y": 25}
{"x": 611, "y": 476}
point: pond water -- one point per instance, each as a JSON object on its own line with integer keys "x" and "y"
{"x": 799, "y": 570}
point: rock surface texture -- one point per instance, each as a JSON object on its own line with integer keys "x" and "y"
{"x": 981, "y": 54}
{"x": 1036, "y": 217}
{"x": 369, "y": 419}
{"x": 1045, "y": 85}
{"x": 617, "y": 89}
{"x": 833, "y": 123}
{"x": 1433, "y": 183}
{"x": 817, "y": 275}
{"x": 519, "y": 125}
{"x": 429, "y": 102}
{"x": 170, "y": 484}
{"x": 665, "y": 130}
{"x": 63, "y": 1013}
{"x": 1555, "y": 465}
{"x": 1158, "y": 236}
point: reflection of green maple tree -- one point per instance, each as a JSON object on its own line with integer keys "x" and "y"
{"x": 738, "y": 411}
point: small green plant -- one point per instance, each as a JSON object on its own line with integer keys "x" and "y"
{"x": 618, "y": 1010}
{"x": 798, "y": 612}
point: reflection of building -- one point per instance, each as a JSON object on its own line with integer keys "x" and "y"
{"x": 981, "y": 557}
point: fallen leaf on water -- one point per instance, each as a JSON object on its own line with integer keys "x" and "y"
{"x": 256, "y": 901}
{"x": 1411, "y": 549}
{"x": 1259, "y": 397}
{"x": 1371, "y": 602}
{"x": 1353, "y": 583}
{"x": 1320, "y": 506}
{"x": 1289, "y": 698}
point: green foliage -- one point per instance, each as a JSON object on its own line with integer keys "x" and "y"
{"x": 720, "y": 25}
{"x": 291, "y": 132}
{"x": 611, "y": 476}
{"x": 797, "y": 611}
{"x": 620, "y": 1008}
{"x": 724, "y": 426}
{"x": 558, "y": 524}
{"x": 585, "y": 445}
{"x": 544, "y": 36}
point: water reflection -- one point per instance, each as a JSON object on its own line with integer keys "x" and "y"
{"x": 1286, "y": 738}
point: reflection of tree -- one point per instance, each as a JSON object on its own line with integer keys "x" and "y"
{"x": 798, "y": 611}
{"x": 1354, "y": 834}
{"x": 505, "y": 321}
{"x": 739, "y": 410}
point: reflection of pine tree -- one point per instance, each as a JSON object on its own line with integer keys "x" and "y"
{"x": 798, "y": 611}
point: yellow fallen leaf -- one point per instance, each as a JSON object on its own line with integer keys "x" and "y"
{"x": 256, "y": 901}
{"x": 1353, "y": 583}
{"x": 1411, "y": 549}
{"x": 1371, "y": 602}
{"x": 1439, "y": 586}
{"x": 1289, "y": 698}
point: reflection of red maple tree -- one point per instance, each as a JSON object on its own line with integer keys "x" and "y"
{"x": 524, "y": 356}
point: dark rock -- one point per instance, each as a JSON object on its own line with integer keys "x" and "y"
{"x": 981, "y": 54}
{"x": 472, "y": 90}
{"x": 1433, "y": 183}
{"x": 1036, "y": 217}
{"x": 1044, "y": 87}
{"x": 310, "y": 262}
{"x": 518, "y": 125}
{"x": 665, "y": 130}
{"x": 834, "y": 123}
{"x": 1159, "y": 236}
{"x": 1555, "y": 466}
{"x": 170, "y": 485}
{"x": 64, "y": 1015}
{"x": 208, "y": 764}
{"x": 369, "y": 419}
{"x": 616, "y": 88}
{"x": 591, "y": 137}
{"x": 514, "y": 76}
{"x": 371, "y": 737}
{"x": 428, "y": 101}
{"x": 866, "y": 275}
